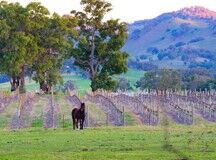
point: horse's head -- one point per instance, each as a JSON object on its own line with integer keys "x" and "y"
{"x": 82, "y": 108}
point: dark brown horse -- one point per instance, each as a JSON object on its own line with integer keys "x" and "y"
{"x": 78, "y": 116}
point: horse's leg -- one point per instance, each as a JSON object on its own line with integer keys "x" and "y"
{"x": 74, "y": 123}
{"x": 81, "y": 127}
{"x": 77, "y": 121}
{"x": 73, "y": 119}
{"x": 81, "y": 123}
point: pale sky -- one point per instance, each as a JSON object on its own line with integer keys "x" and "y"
{"x": 127, "y": 10}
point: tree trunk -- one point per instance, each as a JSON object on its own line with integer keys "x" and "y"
{"x": 21, "y": 81}
{"x": 93, "y": 86}
{"x": 42, "y": 86}
{"x": 46, "y": 88}
{"x": 13, "y": 83}
{"x": 49, "y": 88}
{"x": 93, "y": 83}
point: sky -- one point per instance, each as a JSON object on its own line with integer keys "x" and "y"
{"x": 127, "y": 10}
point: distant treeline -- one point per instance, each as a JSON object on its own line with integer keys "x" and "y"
{"x": 169, "y": 79}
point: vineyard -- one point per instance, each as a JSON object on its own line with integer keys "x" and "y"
{"x": 118, "y": 125}
{"x": 104, "y": 108}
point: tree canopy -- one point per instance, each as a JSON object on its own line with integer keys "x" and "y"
{"x": 33, "y": 39}
{"x": 98, "y": 45}
{"x": 19, "y": 47}
{"x": 166, "y": 79}
{"x": 36, "y": 43}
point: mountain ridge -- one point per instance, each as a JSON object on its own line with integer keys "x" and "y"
{"x": 187, "y": 36}
{"x": 197, "y": 11}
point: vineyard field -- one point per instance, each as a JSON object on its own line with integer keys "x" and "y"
{"x": 137, "y": 125}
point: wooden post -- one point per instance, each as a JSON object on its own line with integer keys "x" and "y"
{"x": 192, "y": 112}
{"x": 149, "y": 117}
{"x": 88, "y": 124}
{"x": 107, "y": 119}
{"x": 52, "y": 107}
{"x": 158, "y": 103}
{"x": 123, "y": 114}
{"x": 21, "y": 99}
{"x": 63, "y": 120}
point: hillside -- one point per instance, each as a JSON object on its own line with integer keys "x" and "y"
{"x": 180, "y": 39}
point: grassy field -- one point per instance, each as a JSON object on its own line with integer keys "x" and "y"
{"x": 126, "y": 143}
{"x": 82, "y": 84}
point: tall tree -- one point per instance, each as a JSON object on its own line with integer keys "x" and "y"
{"x": 165, "y": 79}
{"x": 53, "y": 37}
{"x": 169, "y": 79}
{"x": 18, "y": 48}
{"x": 33, "y": 39}
{"x": 99, "y": 43}
{"x": 123, "y": 85}
{"x": 149, "y": 81}
{"x": 193, "y": 79}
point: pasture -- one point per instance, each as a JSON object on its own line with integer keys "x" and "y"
{"x": 135, "y": 142}
{"x": 81, "y": 83}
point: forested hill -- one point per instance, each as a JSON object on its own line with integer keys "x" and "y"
{"x": 180, "y": 39}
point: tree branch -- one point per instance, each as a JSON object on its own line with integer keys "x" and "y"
{"x": 82, "y": 62}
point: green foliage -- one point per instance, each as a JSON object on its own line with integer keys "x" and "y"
{"x": 166, "y": 79}
{"x": 18, "y": 47}
{"x": 169, "y": 79}
{"x": 99, "y": 43}
{"x": 209, "y": 85}
{"x": 52, "y": 34}
{"x": 196, "y": 79}
{"x": 103, "y": 81}
{"x": 31, "y": 38}
{"x": 123, "y": 85}
{"x": 149, "y": 81}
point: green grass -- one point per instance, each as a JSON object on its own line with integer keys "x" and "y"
{"x": 191, "y": 142}
{"x": 37, "y": 122}
{"x": 5, "y": 117}
{"x": 83, "y": 85}
{"x": 132, "y": 75}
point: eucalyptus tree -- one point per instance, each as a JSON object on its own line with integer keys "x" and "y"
{"x": 18, "y": 47}
{"x": 165, "y": 79}
{"x": 123, "y": 85}
{"x": 33, "y": 39}
{"x": 99, "y": 43}
{"x": 169, "y": 79}
{"x": 53, "y": 34}
{"x": 149, "y": 81}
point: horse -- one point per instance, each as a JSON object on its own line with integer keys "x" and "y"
{"x": 78, "y": 116}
